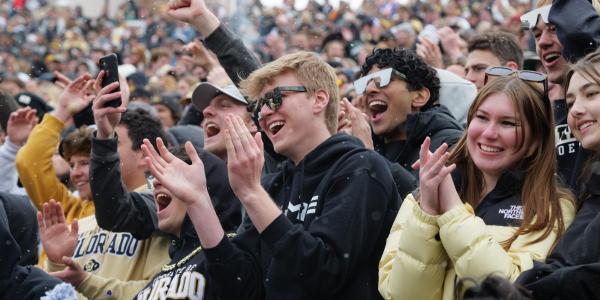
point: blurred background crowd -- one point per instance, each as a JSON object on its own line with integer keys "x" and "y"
{"x": 164, "y": 60}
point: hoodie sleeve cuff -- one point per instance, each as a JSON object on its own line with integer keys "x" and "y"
{"x": 221, "y": 252}
{"x": 276, "y": 230}
{"x": 10, "y": 147}
{"x": 104, "y": 150}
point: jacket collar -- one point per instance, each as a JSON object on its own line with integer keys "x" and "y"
{"x": 509, "y": 183}
{"x": 187, "y": 241}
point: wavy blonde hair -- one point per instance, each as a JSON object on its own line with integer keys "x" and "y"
{"x": 314, "y": 73}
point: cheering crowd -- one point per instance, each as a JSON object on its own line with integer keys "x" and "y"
{"x": 423, "y": 150}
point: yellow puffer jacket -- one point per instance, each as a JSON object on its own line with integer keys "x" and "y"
{"x": 425, "y": 256}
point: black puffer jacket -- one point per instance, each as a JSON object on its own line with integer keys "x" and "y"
{"x": 437, "y": 123}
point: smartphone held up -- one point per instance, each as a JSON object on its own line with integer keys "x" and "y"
{"x": 109, "y": 64}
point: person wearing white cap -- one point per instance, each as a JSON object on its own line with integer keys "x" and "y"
{"x": 215, "y": 103}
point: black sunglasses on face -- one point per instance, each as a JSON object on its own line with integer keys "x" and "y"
{"x": 525, "y": 75}
{"x": 273, "y": 98}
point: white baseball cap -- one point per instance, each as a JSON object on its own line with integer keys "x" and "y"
{"x": 206, "y": 91}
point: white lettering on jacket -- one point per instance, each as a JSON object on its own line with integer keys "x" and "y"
{"x": 307, "y": 209}
{"x": 120, "y": 244}
{"x": 183, "y": 283}
{"x": 515, "y": 212}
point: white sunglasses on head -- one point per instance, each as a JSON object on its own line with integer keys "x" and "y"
{"x": 530, "y": 19}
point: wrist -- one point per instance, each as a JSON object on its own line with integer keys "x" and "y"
{"x": 254, "y": 196}
{"x": 206, "y": 24}
{"x": 104, "y": 134}
{"x": 14, "y": 143}
{"x": 61, "y": 114}
{"x": 424, "y": 205}
{"x": 200, "y": 199}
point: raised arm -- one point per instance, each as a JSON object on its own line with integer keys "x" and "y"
{"x": 237, "y": 60}
{"x": 34, "y": 160}
{"x": 18, "y": 128}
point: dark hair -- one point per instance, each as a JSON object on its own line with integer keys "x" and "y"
{"x": 179, "y": 152}
{"x": 493, "y": 287}
{"x": 419, "y": 74}
{"x": 141, "y": 125}
{"x": 78, "y": 142}
{"x": 503, "y": 45}
{"x": 7, "y": 106}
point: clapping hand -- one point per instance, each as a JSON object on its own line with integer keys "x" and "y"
{"x": 184, "y": 181}
{"x": 245, "y": 158}
{"x": 356, "y": 123}
{"x": 432, "y": 171}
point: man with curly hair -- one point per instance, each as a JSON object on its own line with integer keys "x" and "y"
{"x": 402, "y": 101}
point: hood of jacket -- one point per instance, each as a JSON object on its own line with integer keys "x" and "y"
{"x": 307, "y": 174}
{"x": 427, "y": 123}
{"x": 436, "y": 122}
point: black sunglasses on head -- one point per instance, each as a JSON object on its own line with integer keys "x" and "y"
{"x": 273, "y": 98}
{"x": 525, "y": 75}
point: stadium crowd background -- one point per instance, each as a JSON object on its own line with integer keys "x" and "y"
{"x": 38, "y": 37}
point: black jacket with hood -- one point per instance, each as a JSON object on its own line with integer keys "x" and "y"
{"x": 577, "y": 26}
{"x": 338, "y": 205}
{"x": 121, "y": 211}
{"x": 19, "y": 279}
{"x": 572, "y": 271}
{"x": 437, "y": 123}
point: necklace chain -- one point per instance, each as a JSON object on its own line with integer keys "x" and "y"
{"x": 185, "y": 259}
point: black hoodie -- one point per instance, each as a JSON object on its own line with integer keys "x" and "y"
{"x": 338, "y": 206}
{"x": 572, "y": 271}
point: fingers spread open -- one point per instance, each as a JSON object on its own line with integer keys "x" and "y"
{"x": 192, "y": 153}
{"x": 424, "y": 152}
{"x": 164, "y": 152}
{"x": 40, "y": 220}
{"x": 151, "y": 153}
{"x": 74, "y": 227}
{"x": 246, "y": 139}
{"x": 259, "y": 142}
{"x": 231, "y": 155}
{"x": 98, "y": 81}
{"x": 62, "y": 79}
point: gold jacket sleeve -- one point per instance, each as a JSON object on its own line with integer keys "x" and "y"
{"x": 34, "y": 164}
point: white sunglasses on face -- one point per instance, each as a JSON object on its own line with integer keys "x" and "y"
{"x": 381, "y": 78}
